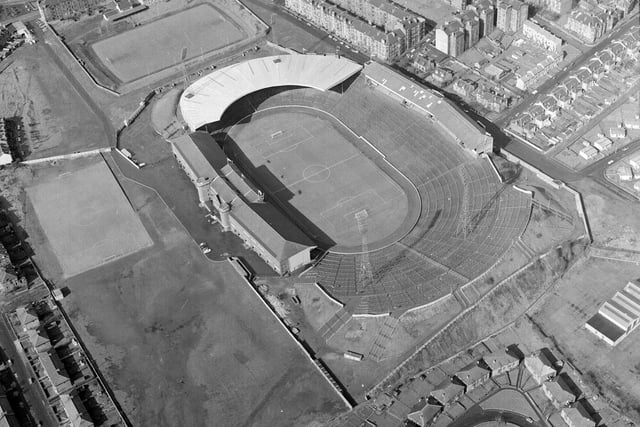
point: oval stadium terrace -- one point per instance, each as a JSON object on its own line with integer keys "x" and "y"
{"x": 468, "y": 218}
{"x": 206, "y": 99}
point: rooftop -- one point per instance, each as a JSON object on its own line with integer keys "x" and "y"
{"x": 471, "y": 374}
{"x": 448, "y": 114}
{"x": 277, "y": 234}
{"x": 205, "y": 100}
{"x": 447, "y": 391}
{"x": 578, "y": 415}
{"x": 499, "y": 359}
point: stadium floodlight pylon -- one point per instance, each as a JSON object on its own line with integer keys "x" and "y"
{"x": 465, "y": 217}
{"x": 365, "y": 273}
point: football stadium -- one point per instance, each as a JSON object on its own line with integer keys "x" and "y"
{"x": 378, "y": 188}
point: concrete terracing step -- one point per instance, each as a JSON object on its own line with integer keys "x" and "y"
{"x": 334, "y": 324}
{"x": 525, "y": 248}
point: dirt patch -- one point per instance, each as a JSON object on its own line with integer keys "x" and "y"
{"x": 54, "y": 118}
{"x": 184, "y": 341}
{"x": 614, "y": 222}
{"x": 317, "y": 306}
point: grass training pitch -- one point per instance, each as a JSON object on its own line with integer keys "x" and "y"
{"x": 87, "y": 219}
{"x": 184, "y": 341}
{"x": 168, "y": 41}
{"x": 313, "y": 166}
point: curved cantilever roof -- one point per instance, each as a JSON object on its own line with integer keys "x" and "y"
{"x": 207, "y": 98}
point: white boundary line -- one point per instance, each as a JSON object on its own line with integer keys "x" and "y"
{"x": 384, "y": 158}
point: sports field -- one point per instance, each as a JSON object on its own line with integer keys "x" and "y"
{"x": 87, "y": 219}
{"x": 167, "y": 41}
{"x": 309, "y": 162}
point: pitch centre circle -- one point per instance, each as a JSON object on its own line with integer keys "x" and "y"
{"x": 316, "y": 173}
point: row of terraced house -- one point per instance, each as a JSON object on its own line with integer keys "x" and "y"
{"x": 592, "y": 20}
{"x": 379, "y": 28}
{"x": 591, "y": 77}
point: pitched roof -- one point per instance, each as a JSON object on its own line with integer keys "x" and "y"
{"x": 447, "y": 391}
{"x": 539, "y": 365}
{"x": 560, "y": 390}
{"x": 578, "y": 415}
{"x": 471, "y": 374}
{"x": 424, "y": 412}
{"x": 75, "y": 410}
{"x": 275, "y": 231}
{"x": 27, "y": 317}
{"x": 498, "y": 359}
{"x": 38, "y": 337}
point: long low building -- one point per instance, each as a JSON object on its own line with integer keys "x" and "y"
{"x": 617, "y": 317}
{"x": 205, "y": 100}
{"x": 468, "y": 133}
{"x": 239, "y": 205}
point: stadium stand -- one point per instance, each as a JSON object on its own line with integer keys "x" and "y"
{"x": 461, "y": 128}
{"x": 438, "y": 255}
{"x": 206, "y": 99}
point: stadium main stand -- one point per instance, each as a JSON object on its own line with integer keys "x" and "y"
{"x": 206, "y": 99}
{"x": 240, "y": 206}
{"x": 462, "y": 128}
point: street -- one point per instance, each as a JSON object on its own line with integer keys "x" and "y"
{"x": 553, "y": 82}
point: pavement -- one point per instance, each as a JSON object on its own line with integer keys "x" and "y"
{"x": 476, "y": 414}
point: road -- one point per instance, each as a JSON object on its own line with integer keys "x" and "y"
{"x": 266, "y": 9}
{"x": 576, "y": 63}
{"x": 45, "y": 40}
{"x": 476, "y": 416}
{"x": 34, "y": 395}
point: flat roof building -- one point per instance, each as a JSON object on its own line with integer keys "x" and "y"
{"x": 541, "y": 37}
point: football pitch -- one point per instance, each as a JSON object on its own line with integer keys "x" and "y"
{"x": 87, "y": 219}
{"x": 166, "y": 42}
{"x": 311, "y": 164}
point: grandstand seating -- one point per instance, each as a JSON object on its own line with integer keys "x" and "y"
{"x": 437, "y": 255}
{"x": 205, "y": 100}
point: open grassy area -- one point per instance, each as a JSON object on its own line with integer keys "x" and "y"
{"x": 87, "y": 219}
{"x": 502, "y": 306}
{"x": 168, "y": 41}
{"x": 183, "y": 341}
{"x": 309, "y": 163}
{"x": 317, "y": 306}
{"x": 359, "y": 334}
{"x": 614, "y": 223}
{"x": 54, "y": 117}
